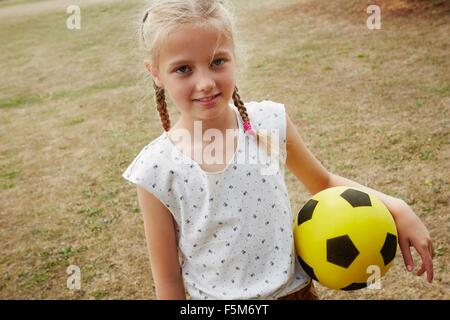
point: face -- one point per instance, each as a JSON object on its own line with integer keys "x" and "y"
{"x": 195, "y": 63}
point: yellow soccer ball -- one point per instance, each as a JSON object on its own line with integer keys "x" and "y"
{"x": 345, "y": 238}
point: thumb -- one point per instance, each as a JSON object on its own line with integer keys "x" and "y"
{"x": 406, "y": 252}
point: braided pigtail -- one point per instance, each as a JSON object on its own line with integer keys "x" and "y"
{"x": 261, "y": 139}
{"x": 243, "y": 112}
{"x": 161, "y": 105}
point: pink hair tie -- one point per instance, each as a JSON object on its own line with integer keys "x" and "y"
{"x": 248, "y": 129}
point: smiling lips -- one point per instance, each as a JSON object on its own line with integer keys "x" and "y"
{"x": 207, "y": 98}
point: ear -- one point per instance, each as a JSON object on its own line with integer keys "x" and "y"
{"x": 153, "y": 73}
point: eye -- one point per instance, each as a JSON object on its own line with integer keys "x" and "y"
{"x": 218, "y": 60}
{"x": 182, "y": 69}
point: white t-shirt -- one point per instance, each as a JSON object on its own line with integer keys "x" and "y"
{"x": 234, "y": 227}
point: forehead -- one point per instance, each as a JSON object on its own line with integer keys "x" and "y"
{"x": 194, "y": 43}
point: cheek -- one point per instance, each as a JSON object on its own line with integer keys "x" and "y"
{"x": 228, "y": 82}
{"x": 179, "y": 91}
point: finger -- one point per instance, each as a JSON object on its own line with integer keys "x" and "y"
{"x": 406, "y": 252}
{"x": 427, "y": 264}
{"x": 421, "y": 270}
{"x": 431, "y": 249}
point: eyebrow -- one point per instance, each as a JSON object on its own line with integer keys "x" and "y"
{"x": 180, "y": 62}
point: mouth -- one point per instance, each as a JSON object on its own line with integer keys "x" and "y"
{"x": 207, "y": 99}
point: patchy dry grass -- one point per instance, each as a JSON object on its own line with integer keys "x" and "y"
{"x": 76, "y": 107}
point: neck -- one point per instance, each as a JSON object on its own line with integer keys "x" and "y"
{"x": 226, "y": 120}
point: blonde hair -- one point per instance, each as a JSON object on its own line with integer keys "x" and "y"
{"x": 164, "y": 16}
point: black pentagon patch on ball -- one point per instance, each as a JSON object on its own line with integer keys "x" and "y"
{"x": 355, "y": 286}
{"x": 389, "y": 248}
{"x": 356, "y": 198}
{"x": 341, "y": 251}
{"x": 306, "y": 212}
{"x": 307, "y": 268}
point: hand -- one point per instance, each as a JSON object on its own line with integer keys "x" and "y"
{"x": 412, "y": 232}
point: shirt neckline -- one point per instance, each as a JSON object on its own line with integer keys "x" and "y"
{"x": 240, "y": 126}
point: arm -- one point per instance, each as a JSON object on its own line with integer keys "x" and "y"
{"x": 315, "y": 177}
{"x": 161, "y": 243}
{"x": 411, "y": 231}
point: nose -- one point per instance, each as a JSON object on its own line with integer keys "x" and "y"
{"x": 205, "y": 82}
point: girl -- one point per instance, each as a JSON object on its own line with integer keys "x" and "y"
{"x": 222, "y": 229}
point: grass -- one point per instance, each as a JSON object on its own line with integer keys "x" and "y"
{"x": 8, "y": 3}
{"x": 76, "y": 107}
{"x": 93, "y": 89}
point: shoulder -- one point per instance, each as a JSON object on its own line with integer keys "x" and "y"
{"x": 264, "y": 106}
{"x": 150, "y": 160}
{"x": 266, "y": 114}
{"x": 154, "y": 151}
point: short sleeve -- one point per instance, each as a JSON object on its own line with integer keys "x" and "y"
{"x": 134, "y": 171}
{"x": 271, "y": 115}
{"x": 148, "y": 171}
